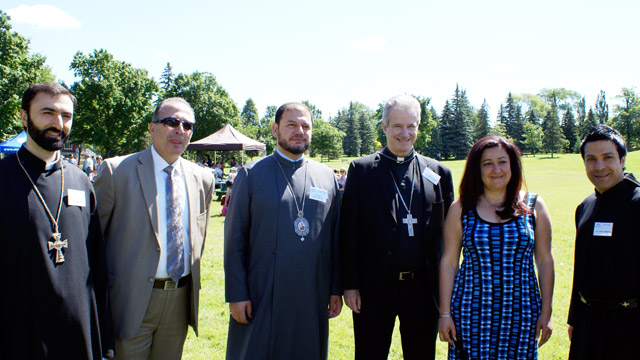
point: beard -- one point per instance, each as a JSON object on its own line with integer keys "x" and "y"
{"x": 39, "y": 136}
{"x": 294, "y": 149}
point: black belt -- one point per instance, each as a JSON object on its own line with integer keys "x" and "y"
{"x": 168, "y": 284}
{"x": 610, "y": 304}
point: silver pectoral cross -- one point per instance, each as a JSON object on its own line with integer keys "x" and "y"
{"x": 58, "y": 245}
{"x": 409, "y": 220}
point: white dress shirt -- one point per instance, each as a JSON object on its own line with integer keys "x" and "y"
{"x": 159, "y": 164}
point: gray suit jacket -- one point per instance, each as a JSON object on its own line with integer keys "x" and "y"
{"x": 127, "y": 205}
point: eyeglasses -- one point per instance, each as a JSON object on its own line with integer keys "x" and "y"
{"x": 173, "y": 123}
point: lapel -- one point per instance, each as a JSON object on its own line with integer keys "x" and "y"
{"x": 147, "y": 179}
{"x": 383, "y": 174}
{"x": 191, "y": 181}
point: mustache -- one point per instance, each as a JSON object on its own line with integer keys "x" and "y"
{"x": 56, "y": 131}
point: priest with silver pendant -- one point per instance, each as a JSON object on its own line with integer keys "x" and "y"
{"x": 281, "y": 249}
{"x": 392, "y": 216}
{"x": 55, "y": 299}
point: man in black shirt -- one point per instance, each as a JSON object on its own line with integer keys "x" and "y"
{"x": 391, "y": 223}
{"x": 604, "y": 314}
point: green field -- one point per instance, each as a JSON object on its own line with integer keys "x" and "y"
{"x": 560, "y": 181}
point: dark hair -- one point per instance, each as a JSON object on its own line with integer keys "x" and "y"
{"x": 291, "y": 106}
{"x": 178, "y": 100}
{"x": 49, "y": 88}
{"x": 229, "y": 183}
{"x": 604, "y": 132}
{"x": 472, "y": 187}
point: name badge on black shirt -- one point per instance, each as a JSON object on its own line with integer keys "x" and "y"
{"x": 602, "y": 229}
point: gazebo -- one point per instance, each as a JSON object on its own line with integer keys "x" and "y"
{"x": 227, "y": 138}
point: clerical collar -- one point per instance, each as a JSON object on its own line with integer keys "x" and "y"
{"x": 288, "y": 158}
{"x": 397, "y": 159}
{"x": 33, "y": 161}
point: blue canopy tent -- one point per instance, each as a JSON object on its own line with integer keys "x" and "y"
{"x": 13, "y": 145}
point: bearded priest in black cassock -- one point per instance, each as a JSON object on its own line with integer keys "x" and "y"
{"x": 281, "y": 248}
{"x": 54, "y": 302}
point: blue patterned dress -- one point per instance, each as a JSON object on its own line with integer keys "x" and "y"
{"x": 496, "y": 300}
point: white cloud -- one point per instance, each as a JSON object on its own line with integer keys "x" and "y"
{"x": 369, "y": 43}
{"x": 43, "y": 16}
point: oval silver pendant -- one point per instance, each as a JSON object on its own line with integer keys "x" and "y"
{"x": 301, "y": 227}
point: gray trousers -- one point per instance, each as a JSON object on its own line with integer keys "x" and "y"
{"x": 163, "y": 330}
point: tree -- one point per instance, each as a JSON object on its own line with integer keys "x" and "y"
{"x": 560, "y": 98}
{"x": 167, "y": 78}
{"x": 447, "y": 131}
{"x": 553, "y": 139}
{"x": 114, "y": 103}
{"x": 358, "y": 123}
{"x": 326, "y": 139}
{"x": 315, "y": 112}
{"x": 461, "y": 125}
{"x": 569, "y": 129}
{"x": 532, "y": 117}
{"x": 513, "y": 121}
{"x": 482, "y": 128}
{"x": 602, "y": 109}
{"x": 264, "y": 132}
{"x": 211, "y": 103}
{"x": 249, "y": 114}
{"x": 427, "y": 124}
{"x": 627, "y": 115}
{"x": 434, "y": 149}
{"x": 18, "y": 70}
{"x": 532, "y": 138}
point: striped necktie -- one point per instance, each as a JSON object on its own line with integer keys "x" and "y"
{"x": 175, "y": 237}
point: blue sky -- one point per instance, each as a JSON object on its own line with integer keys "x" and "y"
{"x": 332, "y": 52}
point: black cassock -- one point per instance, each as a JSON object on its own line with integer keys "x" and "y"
{"x": 607, "y": 270}
{"x": 50, "y": 310}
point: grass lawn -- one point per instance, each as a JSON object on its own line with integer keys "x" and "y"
{"x": 560, "y": 181}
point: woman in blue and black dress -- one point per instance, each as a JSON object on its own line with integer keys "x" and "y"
{"x": 493, "y": 307}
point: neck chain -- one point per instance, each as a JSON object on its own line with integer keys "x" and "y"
{"x": 56, "y": 244}
{"x": 409, "y": 219}
{"x": 398, "y": 159}
{"x": 300, "y": 224}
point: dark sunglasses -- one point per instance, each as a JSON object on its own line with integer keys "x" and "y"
{"x": 173, "y": 123}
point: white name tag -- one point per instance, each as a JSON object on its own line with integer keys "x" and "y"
{"x": 76, "y": 198}
{"x": 602, "y": 229}
{"x": 318, "y": 194}
{"x": 431, "y": 176}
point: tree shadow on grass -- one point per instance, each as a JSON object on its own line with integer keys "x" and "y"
{"x": 548, "y": 157}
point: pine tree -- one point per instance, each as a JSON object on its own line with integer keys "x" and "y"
{"x": 167, "y": 78}
{"x": 513, "y": 121}
{"x": 447, "y": 131}
{"x": 532, "y": 117}
{"x": 589, "y": 123}
{"x": 462, "y": 124}
{"x": 482, "y": 128}
{"x": 569, "y": 129}
{"x": 602, "y": 109}
{"x": 553, "y": 139}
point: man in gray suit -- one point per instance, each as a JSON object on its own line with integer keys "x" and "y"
{"x": 154, "y": 212}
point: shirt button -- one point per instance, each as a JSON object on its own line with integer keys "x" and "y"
{"x": 151, "y": 279}
{"x": 394, "y": 229}
{"x": 388, "y": 252}
{"x": 158, "y": 249}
